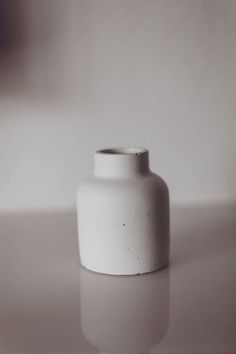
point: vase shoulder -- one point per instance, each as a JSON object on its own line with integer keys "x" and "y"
{"x": 149, "y": 182}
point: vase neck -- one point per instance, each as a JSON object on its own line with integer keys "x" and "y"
{"x": 121, "y": 162}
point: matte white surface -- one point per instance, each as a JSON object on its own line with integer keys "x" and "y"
{"x": 48, "y": 304}
{"x": 123, "y": 214}
{"x": 78, "y": 75}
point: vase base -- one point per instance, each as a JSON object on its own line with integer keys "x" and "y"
{"x": 162, "y": 266}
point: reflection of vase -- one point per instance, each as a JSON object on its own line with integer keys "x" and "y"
{"x": 124, "y": 314}
{"x": 123, "y": 215}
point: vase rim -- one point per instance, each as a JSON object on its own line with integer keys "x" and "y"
{"x": 122, "y": 151}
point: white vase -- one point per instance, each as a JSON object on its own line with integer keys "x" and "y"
{"x": 123, "y": 215}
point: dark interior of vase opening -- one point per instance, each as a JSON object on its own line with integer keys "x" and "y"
{"x": 123, "y": 151}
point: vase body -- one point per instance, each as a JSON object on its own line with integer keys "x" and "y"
{"x": 123, "y": 215}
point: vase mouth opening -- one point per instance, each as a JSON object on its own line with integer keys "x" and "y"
{"x": 123, "y": 151}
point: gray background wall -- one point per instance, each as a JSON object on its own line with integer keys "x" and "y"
{"x": 78, "y": 75}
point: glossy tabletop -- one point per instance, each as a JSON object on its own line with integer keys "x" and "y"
{"x": 49, "y": 304}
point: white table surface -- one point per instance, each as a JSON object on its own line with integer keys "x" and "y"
{"x": 49, "y": 304}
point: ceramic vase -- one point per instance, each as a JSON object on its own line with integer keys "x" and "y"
{"x": 123, "y": 215}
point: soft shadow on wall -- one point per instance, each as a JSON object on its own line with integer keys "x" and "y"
{"x": 34, "y": 40}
